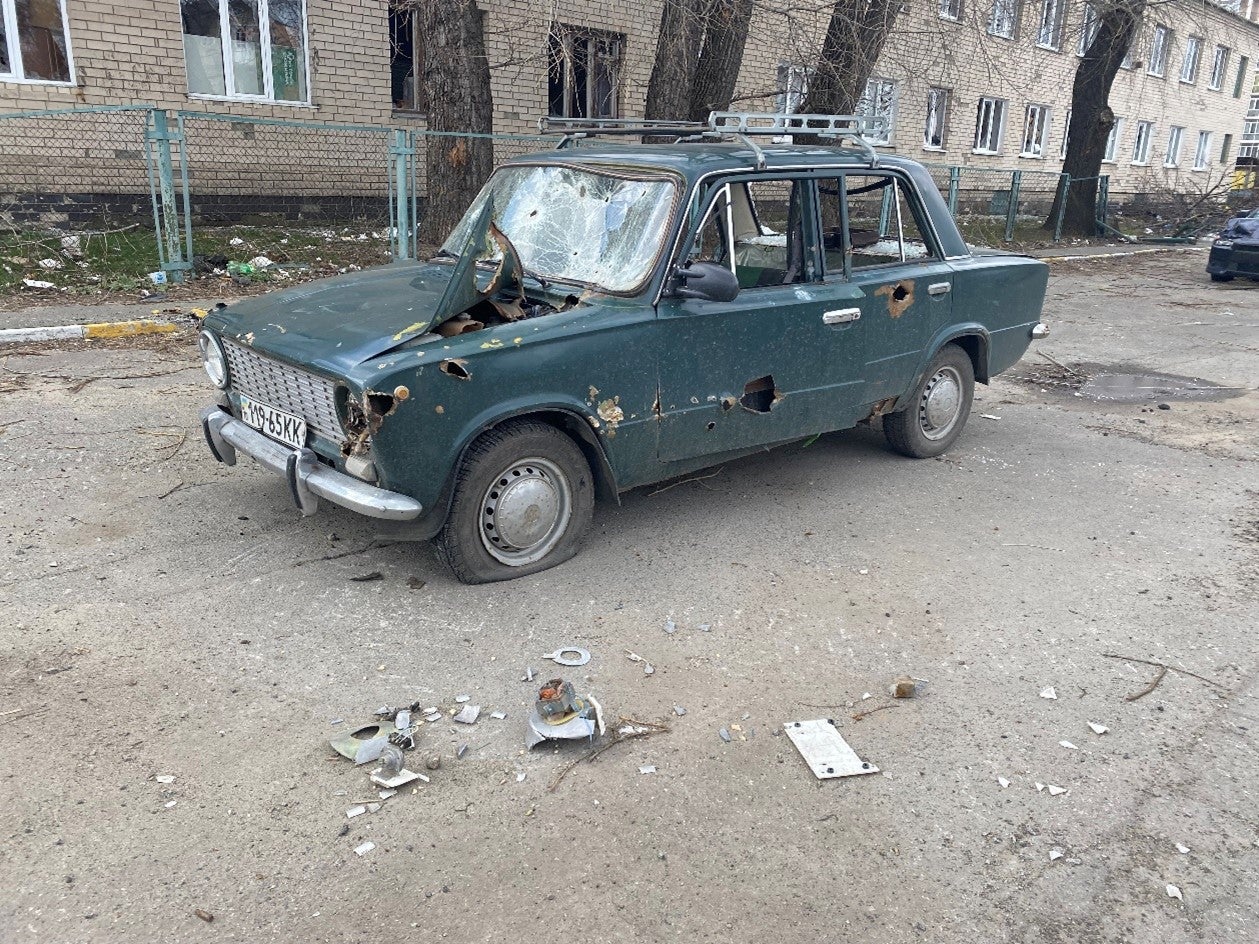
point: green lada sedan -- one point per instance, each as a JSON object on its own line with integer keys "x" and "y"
{"x": 612, "y": 315}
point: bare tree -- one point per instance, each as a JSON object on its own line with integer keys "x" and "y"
{"x": 677, "y": 58}
{"x": 725, "y": 36}
{"x": 1091, "y": 117}
{"x": 457, "y": 84}
{"x": 855, "y": 37}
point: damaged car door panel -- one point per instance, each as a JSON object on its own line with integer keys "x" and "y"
{"x": 612, "y": 316}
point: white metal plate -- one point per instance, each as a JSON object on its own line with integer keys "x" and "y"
{"x": 287, "y": 428}
{"x": 827, "y": 754}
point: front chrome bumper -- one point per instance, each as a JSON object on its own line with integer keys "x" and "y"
{"x": 308, "y": 478}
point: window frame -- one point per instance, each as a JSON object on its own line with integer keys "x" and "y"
{"x": 565, "y": 34}
{"x": 1219, "y": 67}
{"x": 922, "y": 220}
{"x": 942, "y": 112}
{"x": 1110, "y": 150}
{"x": 785, "y": 80}
{"x": 1051, "y": 27}
{"x": 1016, "y": 10}
{"x": 1000, "y": 106}
{"x": 950, "y": 10}
{"x": 1192, "y": 59}
{"x": 1160, "y": 43}
{"x": 1044, "y": 117}
{"x": 1066, "y": 137}
{"x": 1141, "y": 144}
{"x": 894, "y": 87}
{"x": 1243, "y": 69}
{"x": 1090, "y": 23}
{"x": 1175, "y": 144}
{"x": 13, "y": 43}
{"x": 264, "y": 50}
{"x": 1202, "y": 154}
{"x": 415, "y": 111}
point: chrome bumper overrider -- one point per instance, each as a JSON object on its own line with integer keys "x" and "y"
{"x": 308, "y": 478}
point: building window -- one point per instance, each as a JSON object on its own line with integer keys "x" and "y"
{"x": 933, "y": 133}
{"x": 1141, "y": 146}
{"x": 406, "y": 61}
{"x": 989, "y": 125}
{"x": 584, "y": 76}
{"x": 1202, "y": 156}
{"x": 793, "y": 86}
{"x": 1174, "y": 138}
{"x": 1193, "y": 54}
{"x": 1249, "y": 146}
{"x": 1049, "y": 34}
{"x": 246, "y": 49}
{"x": 1112, "y": 142}
{"x": 950, "y": 9}
{"x": 1158, "y": 50}
{"x": 34, "y": 42}
{"x": 1066, "y": 135}
{"x": 1035, "y": 131}
{"x": 1004, "y": 19}
{"x": 1089, "y": 26}
{"x": 1219, "y": 66}
{"x": 1129, "y": 60}
{"x": 1243, "y": 71}
{"x": 1225, "y": 148}
{"x": 879, "y": 101}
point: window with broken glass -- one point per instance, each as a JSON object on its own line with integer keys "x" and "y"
{"x": 1159, "y": 47}
{"x": 253, "y": 50}
{"x": 793, "y": 85}
{"x": 1003, "y": 20}
{"x": 879, "y": 101}
{"x": 884, "y": 226}
{"x": 989, "y": 125}
{"x": 950, "y": 9}
{"x": 933, "y": 132}
{"x": 583, "y": 72}
{"x": 763, "y": 220}
{"x": 1035, "y": 131}
{"x": 1049, "y": 33}
{"x": 1089, "y": 25}
{"x": 34, "y": 41}
{"x": 406, "y": 61}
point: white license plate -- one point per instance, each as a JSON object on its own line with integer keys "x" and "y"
{"x": 285, "y": 427}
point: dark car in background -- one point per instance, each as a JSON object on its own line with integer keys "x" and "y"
{"x": 1236, "y": 249}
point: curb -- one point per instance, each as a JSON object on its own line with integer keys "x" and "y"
{"x": 1120, "y": 255}
{"x": 114, "y": 329}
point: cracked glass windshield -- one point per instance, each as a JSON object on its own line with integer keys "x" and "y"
{"x": 575, "y": 225}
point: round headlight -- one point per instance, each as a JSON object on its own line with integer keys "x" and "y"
{"x": 213, "y": 358}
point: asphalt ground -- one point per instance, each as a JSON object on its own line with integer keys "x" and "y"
{"x": 167, "y": 616}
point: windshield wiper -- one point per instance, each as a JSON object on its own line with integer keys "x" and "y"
{"x": 544, "y": 283}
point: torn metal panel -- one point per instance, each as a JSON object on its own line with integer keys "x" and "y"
{"x": 825, "y": 751}
{"x": 760, "y": 395}
{"x": 899, "y": 297}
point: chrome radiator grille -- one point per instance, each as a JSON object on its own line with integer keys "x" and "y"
{"x": 286, "y": 388}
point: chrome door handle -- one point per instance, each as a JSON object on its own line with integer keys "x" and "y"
{"x": 939, "y": 288}
{"x": 841, "y": 315}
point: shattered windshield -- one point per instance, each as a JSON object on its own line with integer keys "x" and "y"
{"x": 575, "y": 225}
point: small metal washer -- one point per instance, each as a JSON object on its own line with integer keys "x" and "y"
{"x": 559, "y": 657}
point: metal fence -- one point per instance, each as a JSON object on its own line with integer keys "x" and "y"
{"x": 101, "y": 196}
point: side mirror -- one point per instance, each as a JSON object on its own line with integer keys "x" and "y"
{"x": 708, "y": 281}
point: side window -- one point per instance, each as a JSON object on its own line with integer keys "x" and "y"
{"x": 712, "y": 241}
{"x": 883, "y": 224}
{"x": 768, "y": 217}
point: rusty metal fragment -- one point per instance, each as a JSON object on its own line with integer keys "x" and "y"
{"x": 899, "y": 297}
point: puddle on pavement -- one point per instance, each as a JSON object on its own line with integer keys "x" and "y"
{"x": 1123, "y": 387}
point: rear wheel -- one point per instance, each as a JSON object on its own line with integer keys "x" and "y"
{"x": 938, "y": 409}
{"x": 523, "y": 501}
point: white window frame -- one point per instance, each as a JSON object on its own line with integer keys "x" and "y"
{"x": 1008, "y": 8}
{"x": 1066, "y": 136}
{"x": 1112, "y": 142}
{"x": 1037, "y": 120}
{"x": 1219, "y": 68}
{"x": 8, "y": 11}
{"x": 1129, "y": 60}
{"x": 1141, "y": 143}
{"x": 264, "y": 43}
{"x": 864, "y": 106}
{"x": 1090, "y": 23}
{"x": 951, "y": 10}
{"x": 1202, "y": 156}
{"x": 995, "y": 110}
{"x": 1049, "y": 32}
{"x": 939, "y": 111}
{"x": 1160, "y": 47}
{"x": 1175, "y": 142}
{"x": 1193, "y": 59}
{"x": 793, "y": 86}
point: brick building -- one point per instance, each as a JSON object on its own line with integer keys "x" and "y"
{"x": 973, "y": 83}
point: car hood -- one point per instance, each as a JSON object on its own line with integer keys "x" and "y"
{"x": 338, "y": 323}
{"x": 1241, "y": 228}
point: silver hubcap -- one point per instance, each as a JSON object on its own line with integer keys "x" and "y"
{"x": 941, "y": 403}
{"x": 525, "y": 512}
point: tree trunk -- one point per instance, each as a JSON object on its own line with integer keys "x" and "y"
{"x": 677, "y": 55}
{"x": 854, "y": 40}
{"x": 725, "y": 36}
{"x": 457, "y": 86}
{"x": 1091, "y": 117}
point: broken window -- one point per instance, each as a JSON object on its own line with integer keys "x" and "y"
{"x": 793, "y": 86}
{"x": 1035, "y": 131}
{"x": 933, "y": 132}
{"x": 764, "y": 221}
{"x": 574, "y": 224}
{"x": 406, "y": 61}
{"x": 1003, "y": 20}
{"x": 34, "y": 42}
{"x": 584, "y": 71}
{"x": 879, "y": 101}
{"x": 246, "y": 49}
{"x": 989, "y": 125}
{"x": 884, "y": 224}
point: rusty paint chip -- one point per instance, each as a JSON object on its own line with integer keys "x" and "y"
{"x": 899, "y": 297}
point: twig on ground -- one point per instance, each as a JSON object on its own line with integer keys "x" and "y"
{"x": 19, "y": 713}
{"x": 1164, "y": 665}
{"x": 694, "y": 478}
{"x": 651, "y": 728}
{"x": 1162, "y": 670}
{"x": 1039, "y": 547}
{"x": 183, "y": 438}
{"x": 869, "y": 711}
{"x": 4, "y": 426}
{"x": 1054, "y": 360}
{"x": 361, "y": 550}
{"x": 171, "y": 491}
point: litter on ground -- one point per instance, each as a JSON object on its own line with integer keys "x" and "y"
{"x": 825, "y": 751}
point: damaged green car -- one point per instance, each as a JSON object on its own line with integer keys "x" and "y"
{"x": 612, "y": 315}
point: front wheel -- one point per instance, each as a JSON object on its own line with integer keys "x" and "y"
{"x": 523, "y": 501}
{"x": 937, "y": 410}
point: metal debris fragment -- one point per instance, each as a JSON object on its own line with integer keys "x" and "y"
{"x": 679, "y": 710}
{"x": 561, "y": 714}
{"x": 647, "y": 769}
{"x": 648, "y": 668}
{"x": 460, "y": 699}
{"x": 1174, "y": 892}
{"x": 670, "y": 627}
{"x": 1068, "y": 745}
{"x": 468, "y": 714}
{"x": 825, "y": 751}
{"x": 724, "y": 734}
{"x": 382, "y": 778}
{"x": 164, "y": 778}
{"x": 391, "y": 760}
{"x": 1055, "y": 854}
{"x": 1098, "y": 728}
{"x": 1182, "y": 848}
{"x": 1004, "y": 783}
{"x": 528, "y": 676}
{"x": 1055, "y": 791}
{"x": 1048, "y": 692}
{"x": 563, "y": 657}
{"x": 461, "y": 750}
{"x": 364, "y": 848}
{"x": 520, "y": 776}
{"x": 435, "y": 716}
{"x": 355, "y": 811}
{"x": 364, "y": 744}
{"x": 498, "y": 715}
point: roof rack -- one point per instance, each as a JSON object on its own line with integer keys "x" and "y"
{"x": 853, "y": 129}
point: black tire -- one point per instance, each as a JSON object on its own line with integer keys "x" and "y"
{"x": 1221, "y": 277}
{"x": 538, "y": 467}
{"x": 911, "y": 431}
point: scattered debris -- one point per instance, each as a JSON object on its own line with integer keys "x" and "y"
{"x": 37, "y": 283}
{"x": 433, "y": 762}
{"x": 204, "y": 915}
{"x": 415, "y": 583}
{"x": 1004, "y": 783}
{"x": 364, "y": 848}
{"x": 391, "y": 760}
{"x": 498, "y": 715}
{"x": 1182, "y": 848}
{"x": 724, "y": 734}
{"x": 460, "y": 699}
{"x": 461, "y": 751}
{"x": 679, "y": 710}
{"x": 704, "y": 627}
{"x": 368, "y": 578}
{"x": 1055, "y": 791}
{"x": 647, "y": 769}
{"x": 364, "y": 744}
{"x": 355, "y": 811}
{"x": 164, "y": 778}
{"x": 1174, "y": 892}
{"x": 1098, "y": 728}
{"x": 468, "y": 714}
{"x": 386, "y": 794}
{"x": 393, "y": 781}
{"x": 1068, "y": 745}
{"x": 1048, "y": 692}
{"x": 1055, "y": 854}
{"x": 433, "y": 716}
{"x": 904, "y": 687}
{"x": 670, "y": 627}
{"x": 989, "y": 416}
{"x": 561, "y": 714}
{"x": 529, "y": 674}
{"x": 1164, "y": 669}
{"x": 561, "y": 656}
{"x": 648, "y": 668}
{"x": 629, "y": 730}
{"x": 825, "y": 751}
{"x": 171, "y": 804}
